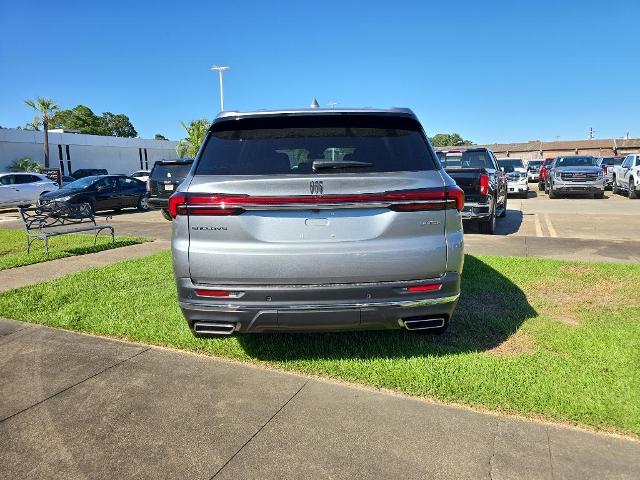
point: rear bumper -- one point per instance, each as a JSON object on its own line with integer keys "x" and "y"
{"x": 517, "y": 187}
{"x": 533, "y": 177}
{"x": 474, "y": 210}
{"x": 158, "y": 203}
{"x": 365, "y": 306}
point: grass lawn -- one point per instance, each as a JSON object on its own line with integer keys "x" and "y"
{"x": 541, "y": 338}
{"x": 13, "y": 248}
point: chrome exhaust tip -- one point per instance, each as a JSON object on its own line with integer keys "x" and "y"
{"x": 214, "y": 328}
{"x": 424, "y": 323}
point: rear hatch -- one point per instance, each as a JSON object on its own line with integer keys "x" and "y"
{"x": 316, "y": 199}
{"x": 166, "y": 176}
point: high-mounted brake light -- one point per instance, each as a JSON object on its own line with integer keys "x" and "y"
{"x": 484, "y": 184}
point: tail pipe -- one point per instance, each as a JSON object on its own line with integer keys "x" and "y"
{"x": 214, "y": 328}
{"x": 423, "y": 323}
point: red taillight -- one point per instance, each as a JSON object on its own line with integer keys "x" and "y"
{"x": 456, "y": 194}
{"x": 424, "y": 288}
{"x": 213, "y": 293}
{"x": 484, "y": 184}
{"x": 177, "y": 205}
{"x": 604, "y": 169}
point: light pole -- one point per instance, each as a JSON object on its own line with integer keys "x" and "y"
{"x": 220, "y": 70}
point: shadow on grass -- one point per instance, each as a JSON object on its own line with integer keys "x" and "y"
{"x": 491, "y": 308}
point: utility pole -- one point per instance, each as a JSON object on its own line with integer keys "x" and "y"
{"x": 591, "y": 133}
{"x": 220, "y": 70}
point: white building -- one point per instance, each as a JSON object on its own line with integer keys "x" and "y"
{"x": 71, "y": 151}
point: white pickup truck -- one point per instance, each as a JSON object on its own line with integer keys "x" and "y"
{"x": 626, "y": 177}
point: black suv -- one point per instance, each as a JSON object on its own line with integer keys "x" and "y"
{"x": 163, "y": 180}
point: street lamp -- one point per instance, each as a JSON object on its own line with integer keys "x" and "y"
{"x": 220, "y": 70}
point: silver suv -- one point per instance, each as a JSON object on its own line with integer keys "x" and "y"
{"x": 318, "y": 220}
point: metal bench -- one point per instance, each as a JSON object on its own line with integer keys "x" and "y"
{"x": 55, "y": 218}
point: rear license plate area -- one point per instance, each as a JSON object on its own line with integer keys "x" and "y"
{"x": 318, "y": 319}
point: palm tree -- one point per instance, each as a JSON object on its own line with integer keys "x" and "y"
{"x": 196, "y": 131}
{"x": 47, "y": 108}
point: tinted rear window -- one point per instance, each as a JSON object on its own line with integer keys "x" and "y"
{"x": 290, "y": 145}
{"x": 516, "y": 163}
{"x": 170, "y": 171}
{"x": 467, "y": 159}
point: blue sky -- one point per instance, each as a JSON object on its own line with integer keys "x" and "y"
{"x": 492, "y": 71}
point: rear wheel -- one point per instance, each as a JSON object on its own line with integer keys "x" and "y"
{"x": 633, "y": 193}
{"x": 524, "y": 194}
{"x": 552, "y": 194}
{"x": 540, "y": 186}
{"x": 143, "y": 203}
{"x": 598, "y": 195}
{"x": 488, "y": 226}
{"x": 614, "y": 185}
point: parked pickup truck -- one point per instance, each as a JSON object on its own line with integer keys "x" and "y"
{"x": 578, "y": 174}
{"x": 607, "y": 164}
{"x": 627, "y": 176}
{"x": 476, "y": 171}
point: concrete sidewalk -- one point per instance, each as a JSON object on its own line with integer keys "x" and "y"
{"x": 78, "y": 406}
{"x": 41, "y": 272}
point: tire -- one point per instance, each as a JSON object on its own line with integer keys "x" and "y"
{"x": 552, "y": 194}
{"x": 599, "y": 195}
{"x": 540, "y": 186}
{"x": 524, "y": 194}
{"x": 488, "y": 227}
{"x": 614, "y": 186}
{"x": 143, "y": 204}
{"x": 633, "y": 193}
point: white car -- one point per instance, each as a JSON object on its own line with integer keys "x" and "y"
{"x": 142, "y": 175}
{"x": 23, "y": 188}
{"x": 516, "y": 173}
{"x": 627, "y": 176}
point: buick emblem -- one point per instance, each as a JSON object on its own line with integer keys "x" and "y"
{"x": 316, "y": 187}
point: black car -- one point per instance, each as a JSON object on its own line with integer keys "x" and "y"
{"x": 163, "y": 180}
{"x": 88, "y": 172}
{"x": 476, "y": 171}
{"x": 102, "y": 192}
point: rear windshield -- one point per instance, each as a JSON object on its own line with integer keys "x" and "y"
{"x": 534, "y": 163}
{"x": 611, "y": 161}
{"x": 291, "y": 145}
{"x": 170, "y": 171}
{"x": 576, "y": 162}
{"x": 467, "y": 159}
{"x": 516, "y": 163}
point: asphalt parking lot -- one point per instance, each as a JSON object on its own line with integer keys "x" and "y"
{"x": 572, "y": 228}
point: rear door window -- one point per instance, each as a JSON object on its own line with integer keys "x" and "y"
{"x": 291, "y": 145}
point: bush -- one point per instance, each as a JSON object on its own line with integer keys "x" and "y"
{"x": 25, "y": 164}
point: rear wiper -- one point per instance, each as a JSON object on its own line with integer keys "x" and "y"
{"x": 327, "y": 164}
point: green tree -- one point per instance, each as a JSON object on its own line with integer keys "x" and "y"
{"x": 24, "y": 164}
{"x": 159, "y": 136}
{"x": 45, "y": 109}
{"x": 449, "y": 140}
{"x": 79, "y": 118}
{"x": 196, "y": 131}
{"x": 117, "y": 125}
